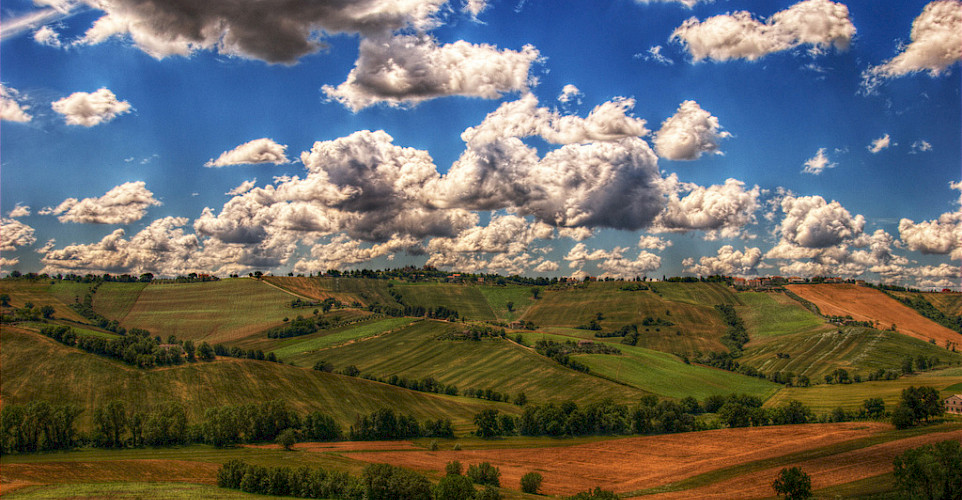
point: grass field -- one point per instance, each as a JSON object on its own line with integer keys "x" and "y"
{"x": 825, "y": 397}
{"x": 467, "y": 300}
{"x": 774, "y": 314}
{"x": 115, "y": 300}
{"x": 869, "y": 304}
{"x": 60, "y": 295}
{"x": 499, "y": 296}
{"x": 500, "y": 365}
{"x": 697, "y": 326}
{"x": 216, "y": 311}
{"x": 855, "y": 349}
{"x": 37, "y": 368}
{"x": 298, "y": 349}
{"x": 948, "y": 302}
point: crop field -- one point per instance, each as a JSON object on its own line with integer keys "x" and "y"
{"x": 130, "y": 490}
{"x": 498, "y": 298}
{"x": 217, "y": 311}
{"x": 299, "y": 350}
{"x": 501, "y": 365}
{"x": 775, "y": 314}
{"x": 37, "y": 368}
{"x": 868, "y": 304}
{"x": 825, "y": 397}
{"x": 467, "y": 300}
{"x": 948, "y": 302}
{"x": 697, "y": 326}
{"x": 115, "y": 300}
{"x": 639, "y": 463}
{"x": 856, "y": 349}
{"x": 41, "y": 293}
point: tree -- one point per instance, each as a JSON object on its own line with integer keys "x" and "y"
{"x": 287, "y": 438}
{"x": 535, "y": 293}
{"x": 510, "y": 306}
{"x": 485, "y": 473}
{"x": 386, "y": 482}
{"x": 932, "y": 471}
{"x": 521, "y": 399}
{"x": 874, "y": 407}
{"x": 111, "y": 422}
{"x": 793, "y": 483}
{"x": 146, "y": 277}
{"x": 487, "y": 422}
{"x": 453, "y": 487}
{"x": 47, "y": 311}
{"x": 205, "y": 352}
{"x": 453, "y": 468}
{"x": 4, "y": 299}
{"x": 531, "y": 482}
{"x": 917, "y": 404}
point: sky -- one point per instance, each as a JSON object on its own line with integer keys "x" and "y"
{"x": 617, "y": 138}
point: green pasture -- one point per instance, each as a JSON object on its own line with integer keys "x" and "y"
{"x": 298, "y": 349}
{"x": 774, "y": 314}
{"x": 499, "y": 296}
{"x": 115, "y": 300}
{"x": 466, "y": 299}
{"x": 59, "y": 294}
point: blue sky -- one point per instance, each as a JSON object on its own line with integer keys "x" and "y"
{"x": 543, "y": 138}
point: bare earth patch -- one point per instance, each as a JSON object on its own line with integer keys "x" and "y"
{"x": 868, "y": 304}
{"x": 826, "y": 471}
{"x": 638, "y": 463}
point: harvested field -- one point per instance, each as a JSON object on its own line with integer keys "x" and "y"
{"x": 633, "y": 464}
{"x": 868, "y": 304}
{"x": 825, "y": 471}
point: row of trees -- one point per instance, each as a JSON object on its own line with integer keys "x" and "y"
{"x": 385, "y": 424}
{"x": 561, "y": 351}
{"x": 137, "y": 348}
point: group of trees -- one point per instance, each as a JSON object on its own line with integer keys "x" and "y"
{"x": 237, "y": 352}
{"x": 438, "y": 312}
{"x": 916, "y": 404}
{"x": 37, "y": 426}
{"x": 303, "y": 482}
{"x": 385, "y": 424}
{"x": 475, "y": 332}
{"x": 456, "y": 486}
{"x": 736, "y": 336}
{"x": 561, "y": 351}
{"x": 136, "y": 348}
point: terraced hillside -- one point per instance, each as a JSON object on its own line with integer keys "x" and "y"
{"x": 868, "y": 304}
{"x": 689, "y": 306}
{"x": 37, "y": 368}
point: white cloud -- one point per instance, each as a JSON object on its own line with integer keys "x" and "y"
{"x": 275, "y": 31}
{"x": 570, "y": 93}
{"x": 6, "y": 263}
{"x": 728, "y": 262}
{"x": 407, "y": 69}
{"x": 936, "y": 45}
{"x": 474, "y": 7}
{"x": 818, "y": 163}
{"x": 546, "y": 267}
{"x": 613, "y": 262}
{"x": 920, "y": 146}
{"x": 15, "y": 234}
{"x": 939, "y": 236}
{"x": 654, "y": 54}
{"x": 11, "y": 109}
{"x": 86, "y": 109}
{"x": 689, "y": 133}
{"x": 722, "y": 211}
{"x": 653, "y": 243}
{"x": 879, "y": 144}
{"x": 123, "y": 204}
{"x": 262, "y": 150}
{"x": 243, "y": 187}
{"x": 19, "y": 211}
{"x": 575, "y": 233}
{"x": 47, "y": 36}
{"x": 811, "y": 222}
{"x": 342, "y": 252}
{"x": 819, "y": 23}
{"x": 686, "y": 3}
{"x": 162, "y": 248}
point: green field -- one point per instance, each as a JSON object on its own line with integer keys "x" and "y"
{"x": 855, "y": 349}
{"x": 697, "y": 326}
{"x": 774, "y": 314}
{"x": 37, "y": 368}
{"x": 115, "y": 300}
{"x": 500, "y": 365}
{"x": 825, "y": 397}
{"x": 297, "y": 350}
{"x": 60, "y": 295}
{"x": 467, "y": 300}
{"x": 499, "y": 296}
{"x": 215, "y": 311}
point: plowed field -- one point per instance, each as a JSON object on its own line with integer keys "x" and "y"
{"x": 867, "y": 304}
{"x": 633, "y": 464}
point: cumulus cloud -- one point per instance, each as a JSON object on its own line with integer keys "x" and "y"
{"x": 123, "y": 204}
{"x": 262, "y": 150}
{"x": 613, "y": 262}
{"x": 811, "y": 222}
{"x": 19, "y": 211}
{"x": 819, "y": 23}
{"x": 15, "y": 234}
{"x": 546, "y": 267}
{"x": 162, "y": 248}
{"x": 818, "y": 163}
{"x": 89, "y": 109}
{"x": 507, "y": 237}
{"x": 721, "y": 210}
{"x": 47, "y": 36}
{"x": 689, "y": 133}
{"x": 407, "y": 69}
{"x": 342, "y": 252}
{"x": 11, "y": 107}
{"x": 936, "y": 45}
{"x": 653, "y": 243}
{"x": 727, "y": 261}
{"x": 920, "y": 146}
{"x": 275, "y": 31}
{"x": 879, "y": 144}
{"x": 939, "y": 236}
{"x": 570, "y": 93}
{"x": 575, "y": 233}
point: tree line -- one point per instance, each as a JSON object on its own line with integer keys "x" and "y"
{"x": 561, "y": 352}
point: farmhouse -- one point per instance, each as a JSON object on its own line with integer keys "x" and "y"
{"x": 954, "y": 404}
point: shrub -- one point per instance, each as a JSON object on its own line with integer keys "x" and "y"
{"x": 453, "y": 487}
{"x": 453, "y": 468}
{"x": 485, "y": 473}
{"x": 531, "y": 482}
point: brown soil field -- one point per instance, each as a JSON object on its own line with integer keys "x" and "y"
{"x": 16, "y": 475}
{"x": 344, "y": 446}
{"x": 826, "y": 471}
{"x": 868, "y": 304}
{"x": 633, "y": 464}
